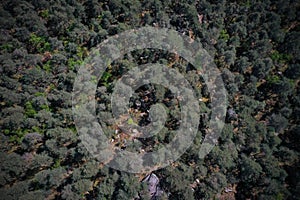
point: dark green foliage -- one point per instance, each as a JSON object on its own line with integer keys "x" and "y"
{"x": 291, "y": 44}
{"x": 225, "y": 158}
{"x": 254, "y": 44}
{"x": 82, "y": 186}
{"x": 178, "y": 190}
{"x": 293, "y": 71}
{"x": 128, "y": 187}
{"x": 250, "y": 170}
{"x": 106, "y": 189}
{"x": 12, "y": 168}
{"x": 17, "y": 191}
{"x": 49, "y": 178}
{"x": 38, "y": 194}
{"x": 279, "y": 122}
{"x": 30, "y": 140}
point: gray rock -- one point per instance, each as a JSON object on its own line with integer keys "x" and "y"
{"x": 152, "y": 181}
{"x": 231, "y": 114}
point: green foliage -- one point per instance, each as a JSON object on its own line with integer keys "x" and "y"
{"x": 105, "y": 78}
{"x": 224, "y": 35}
{"x": 250, "y": 170}
{"x": 280, "y": 57}
{"x": 82, "y": 52}
{"x": 82, "y": 186}
{"x": 131, "y": 122}
{"x": 106, "y": 187}
{"x": 6, "y": 47}
{"x": 44, "y": 13}
{"x": 47, "y": 66}
{"x": 73, "y": 63}
{"x": 12, "y": 167}
{"x": 29, "y": 109}
{"x": 178, "y": 189}
{"x": 39, "y": 43}
{"x": 49, "y": 178}
{"x": 255, "y": 45}
{"x": 128, "y": 187}
{"x": 246, "y": 3}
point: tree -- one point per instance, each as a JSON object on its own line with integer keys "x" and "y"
{"x": 250, "y": 170}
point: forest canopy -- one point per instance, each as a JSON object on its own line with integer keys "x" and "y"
{"x": 254, "y": 44}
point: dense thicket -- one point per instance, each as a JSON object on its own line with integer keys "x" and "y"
{"x": 255, "y": 45}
